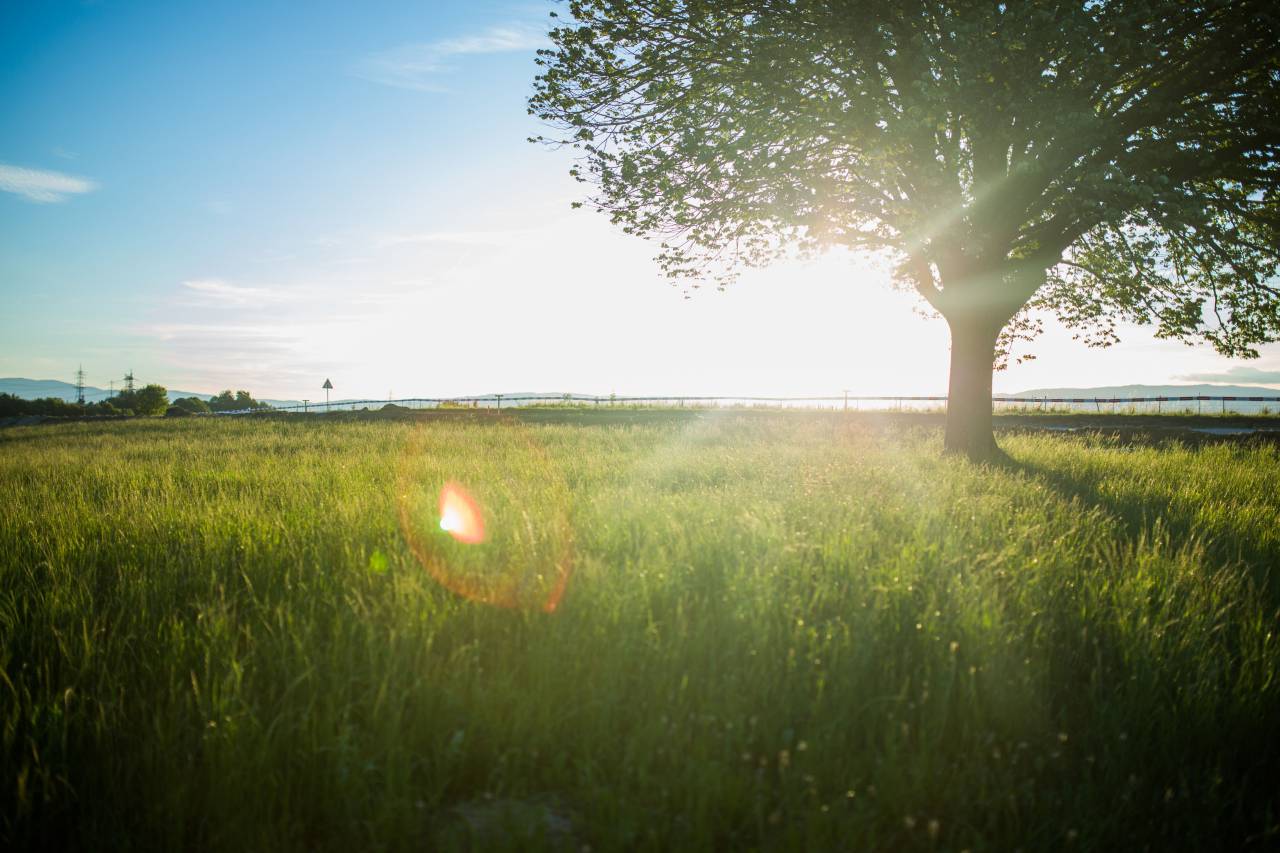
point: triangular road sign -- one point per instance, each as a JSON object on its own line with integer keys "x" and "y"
{"x": 328, "y": 386}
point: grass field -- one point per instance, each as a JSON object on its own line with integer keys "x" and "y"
{"x": 736, "y": 631}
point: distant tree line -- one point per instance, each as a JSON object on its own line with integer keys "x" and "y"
{"x": 228, "y": 402}
{"x": 148, "y": 401}
{"x": 11, "y": 405}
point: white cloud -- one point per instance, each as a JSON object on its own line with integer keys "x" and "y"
{"x": 40, "y": 185}
{"x": 419, "y": 66}
{"x": 215, "y": 290}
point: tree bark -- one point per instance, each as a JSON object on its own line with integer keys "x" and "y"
{"x": 969, "y": 427}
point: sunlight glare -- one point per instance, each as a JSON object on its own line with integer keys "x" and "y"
{"x": 460, "y": 515}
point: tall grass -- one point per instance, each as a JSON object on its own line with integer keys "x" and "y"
{"x": 780, "y": 631}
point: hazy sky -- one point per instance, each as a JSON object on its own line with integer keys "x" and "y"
{"x": 261, "y": 195}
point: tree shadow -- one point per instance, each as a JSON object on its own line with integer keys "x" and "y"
{"x": 1141, "y": 514}
{"x": 1187, "y": 719}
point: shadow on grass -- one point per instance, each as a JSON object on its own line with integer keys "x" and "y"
{"x": 1210, "y": 729}
{"x": 1141, "y": 514}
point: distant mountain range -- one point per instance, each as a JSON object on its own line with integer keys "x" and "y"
{"x": 33, "y": 389}
{"x": 1126, "y": 391}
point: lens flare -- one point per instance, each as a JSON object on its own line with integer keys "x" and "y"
{"x": 505, "y": 538}
{"x": 460, "y": 515}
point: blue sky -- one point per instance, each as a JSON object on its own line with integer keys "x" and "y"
{"x": 264, "y": 194}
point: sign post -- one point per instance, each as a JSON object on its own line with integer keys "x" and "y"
{"x": 327, "y": 386}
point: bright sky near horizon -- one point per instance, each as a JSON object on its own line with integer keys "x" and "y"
{"x": 264, "y": 194}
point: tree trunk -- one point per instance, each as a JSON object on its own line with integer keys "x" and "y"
{"x": 969, "y": 428}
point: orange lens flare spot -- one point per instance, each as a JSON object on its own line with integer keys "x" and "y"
{"x": 460, "y": 515}
{"x": 510, "y": 539}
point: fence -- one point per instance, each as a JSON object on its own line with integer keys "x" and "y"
{"x": 1158, "y": 405}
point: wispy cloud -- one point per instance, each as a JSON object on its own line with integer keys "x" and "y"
{"x": 1237, "y": 374}
{"x": 217, "y": 291}
{"x": 230, "y": 333}
{"x": 458, "y": 238}
{"x": 236, "y": 354}
{"x": 40, "y": 185}
{"x": 420, "y": 66}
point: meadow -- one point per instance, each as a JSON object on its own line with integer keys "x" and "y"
{"x": 694, "y": 630}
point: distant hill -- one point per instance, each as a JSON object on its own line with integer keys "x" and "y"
{"x": 34, "y": 389}
{"x": 1124, "y": 391}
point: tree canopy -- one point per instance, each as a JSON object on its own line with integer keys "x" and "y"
{"x": 241, "y": 400}
{"x": 1105, "y": 161}
{"x": 193, "y": 405}
{"x": 148, "y": 400}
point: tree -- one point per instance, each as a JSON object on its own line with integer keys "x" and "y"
{"x": 194, "y": 405}
{"x": 151, "y": 400}
{"x": 239, "y": 401}
{"x": 244, "y": 400}
{"x": 223, "y": 402}
{"x": 103, "y": 408}
{"x": 1106, "y": 161}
